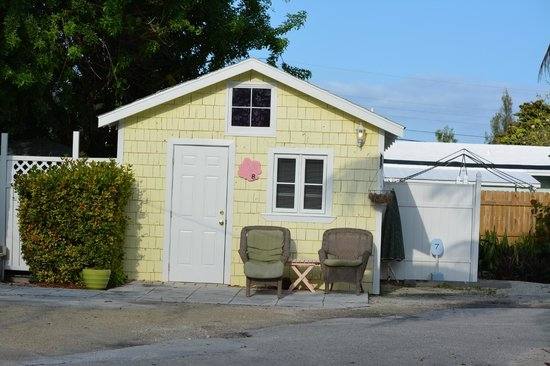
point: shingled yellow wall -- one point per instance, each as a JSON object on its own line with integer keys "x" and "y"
{"x": 301, "y": 122}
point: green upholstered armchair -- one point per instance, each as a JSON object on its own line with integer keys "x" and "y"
{"x": 344, "y": 255}
{"x": 264, "y": 251}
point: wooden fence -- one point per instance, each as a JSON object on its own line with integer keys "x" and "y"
{"x": 509, "y": 212}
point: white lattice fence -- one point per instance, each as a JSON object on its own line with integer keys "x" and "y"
{"x": 23, "y": 164}
{"x": 10, "y": 166}
{"x": 19, "y": 165}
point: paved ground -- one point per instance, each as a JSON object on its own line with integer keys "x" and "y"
{"x": 139, "y": 292}
{"x": 451, "y": 337}
{"x": 490, "y": 323}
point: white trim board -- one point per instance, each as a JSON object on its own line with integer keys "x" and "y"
{"x": 250, "y": 64}
{"x": 378, "y": 216}
{"x": 229, "y": 209}
{"x": 120, "y": 143}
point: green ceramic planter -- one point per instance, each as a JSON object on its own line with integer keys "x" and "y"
{"x": 96, "y": 279}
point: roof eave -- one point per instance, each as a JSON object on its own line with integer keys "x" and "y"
{"x": 239, "y": 68}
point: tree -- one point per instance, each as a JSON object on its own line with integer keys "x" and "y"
{"x": 545, "y": 64}
{"x": 446, "y": 134}
{"x": 502, "y": 119}
{"x": 64, "y": 62}
{"x": 531, "y": 128}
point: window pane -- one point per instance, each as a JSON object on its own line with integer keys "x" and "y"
{"x": 314, "y": 171}
{"x": 240, "y": 117}
{"x": 286, "y": 170}
{"x": 261, "y": 97}
{"x": 313, "y": 197}
{"x": 241, "y": 97}
{"x": 285, "y": 196}
{"x": 260, "y": 117}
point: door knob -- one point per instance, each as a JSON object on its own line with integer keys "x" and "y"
{"x": 221, "y": 222}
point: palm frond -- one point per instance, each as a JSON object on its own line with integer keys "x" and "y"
{"x": 545, "y": 64}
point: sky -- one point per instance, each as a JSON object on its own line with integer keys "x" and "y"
{"x": 426, "y": 63}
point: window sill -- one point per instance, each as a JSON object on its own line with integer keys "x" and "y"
{"x": 298, "y": 218}
{"x": 268, "y": 132}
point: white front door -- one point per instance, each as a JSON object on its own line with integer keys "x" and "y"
{"x": 199, "y": 206}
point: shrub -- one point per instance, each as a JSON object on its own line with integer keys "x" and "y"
{"x": 73, "y": 216}
{"x": 542, "y": 221}
{"x": 526, "y": 259}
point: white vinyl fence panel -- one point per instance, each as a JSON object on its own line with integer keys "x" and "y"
{"x": 18, "y": 165}
{"x": 447, "y": 211}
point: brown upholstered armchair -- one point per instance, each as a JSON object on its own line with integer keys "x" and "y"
{"x": 344, "y": 255}
{"x": 264, "y": 251}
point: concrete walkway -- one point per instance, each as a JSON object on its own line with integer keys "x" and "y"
{"x": 146, "y": 293}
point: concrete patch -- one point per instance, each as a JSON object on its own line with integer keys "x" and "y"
{"x": 162, "y": 294}
{"x": 147, "y": 293}
{"x": 259, "y": 298}
{"x": 303, "y": 299}
{"x": 344, "y": 300}
{"x": 214, "y": 294}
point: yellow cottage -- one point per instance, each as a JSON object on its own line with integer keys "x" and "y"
{"x": 245, "y": 145}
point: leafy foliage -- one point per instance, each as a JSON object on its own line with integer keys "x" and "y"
{"x": 447, "y": 134}
{"x": 526, "y": 259}
{"x": 73, "y": 216}
{"x": 532, "y": 126}
{"x": 502, "y": 119}
{"x": 542, "y": 221}
{"x": 64, "y": 62}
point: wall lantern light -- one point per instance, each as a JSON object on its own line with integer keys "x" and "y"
{"x": 361, "y": 135}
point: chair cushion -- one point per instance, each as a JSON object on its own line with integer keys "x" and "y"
{"x": 336, "y": 262}
{"x": 264, "y": 270}
{"x": 265, "y": 245}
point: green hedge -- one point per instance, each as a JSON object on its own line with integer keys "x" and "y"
{"x": 73, "y": 216}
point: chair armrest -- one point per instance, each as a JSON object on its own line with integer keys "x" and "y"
{"x": 322, "y": 255}
{"x": 284, "y": 258}
{"x": 365, "y": 256}
{"x": 286, "y": 246}
{"x": 242, "y": 247}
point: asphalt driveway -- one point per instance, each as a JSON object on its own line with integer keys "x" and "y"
{"x": 490, "y": 323}
{"x": 450, "y": 337}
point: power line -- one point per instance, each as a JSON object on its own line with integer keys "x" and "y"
{"x": 429, "y": 112}
{"x": 448, "y": 112}
{"x": 409, "y": 103}
{"x": 434, "y": 112}
{"x": 403, "y": 117}
{"x": 441, "y": 81}
{"x": 456, "y": 134}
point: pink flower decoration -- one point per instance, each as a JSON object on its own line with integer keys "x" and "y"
{"x": 250, "y": 169}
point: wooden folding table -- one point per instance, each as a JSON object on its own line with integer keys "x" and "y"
{"x": 307, "y": 265}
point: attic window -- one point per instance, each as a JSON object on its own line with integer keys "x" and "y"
{"x": 251, "y": 110}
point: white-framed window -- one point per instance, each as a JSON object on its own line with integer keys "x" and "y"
{"x": 251, "y": 109}
{"x": 300, "y": 185}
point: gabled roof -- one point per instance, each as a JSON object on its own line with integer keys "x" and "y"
{"x": 250, "y": 64}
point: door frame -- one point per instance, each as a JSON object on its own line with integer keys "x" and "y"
{"x": 171, "y": 144}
